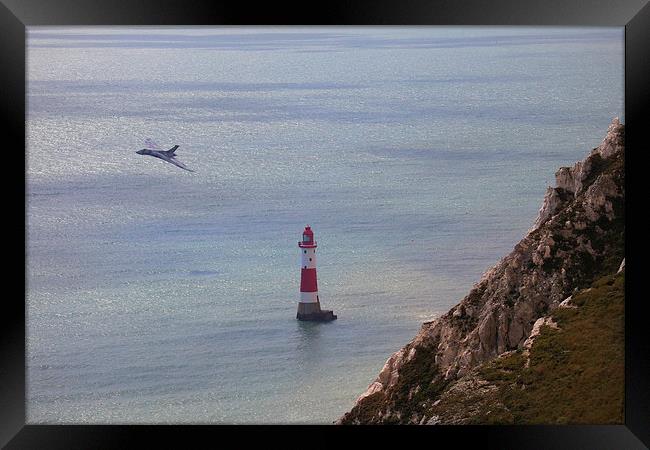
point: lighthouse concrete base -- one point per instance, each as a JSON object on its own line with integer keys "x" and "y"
{"x": 312, "y": 312}
{"x": 322, "y": 316}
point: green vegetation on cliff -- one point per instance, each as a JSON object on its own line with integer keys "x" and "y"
{"x": 575, "y": 372}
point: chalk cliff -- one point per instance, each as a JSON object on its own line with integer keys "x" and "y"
{"x": 578, "y": 238}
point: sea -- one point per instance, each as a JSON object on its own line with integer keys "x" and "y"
{"x": 418, "y": 155}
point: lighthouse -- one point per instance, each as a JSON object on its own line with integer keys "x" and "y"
{"x": 309, "y": 304}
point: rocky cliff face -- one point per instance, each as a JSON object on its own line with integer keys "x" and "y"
{"x": 577, "y": 237}
{"x": 570, "y": 370}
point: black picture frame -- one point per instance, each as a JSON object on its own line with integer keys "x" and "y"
{"x": 15, "y": 15}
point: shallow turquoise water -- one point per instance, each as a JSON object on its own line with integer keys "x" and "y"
{"x": 419, "y": 156}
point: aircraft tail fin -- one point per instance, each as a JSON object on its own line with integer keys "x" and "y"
{"x": 171, "y": 151}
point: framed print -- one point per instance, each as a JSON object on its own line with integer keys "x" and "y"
{"x": 259, "y": 219}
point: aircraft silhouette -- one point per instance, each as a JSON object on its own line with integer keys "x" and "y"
{"x": 165, "y": 155}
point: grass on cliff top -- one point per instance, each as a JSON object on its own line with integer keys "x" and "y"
{"x": 575, "y": 376}
{"x": 576, "y": 372}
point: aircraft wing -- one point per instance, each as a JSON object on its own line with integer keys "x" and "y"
{"x": 151, "y": 144}
{"x": 179, "y": 164}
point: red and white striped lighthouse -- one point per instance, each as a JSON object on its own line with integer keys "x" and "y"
{"x": 309, "y": 305}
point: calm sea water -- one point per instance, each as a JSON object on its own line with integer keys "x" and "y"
{"x": 419, "y": 156}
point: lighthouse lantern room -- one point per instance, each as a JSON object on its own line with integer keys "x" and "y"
{"x": 309, "y": 304}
